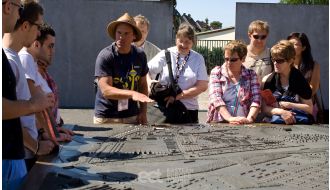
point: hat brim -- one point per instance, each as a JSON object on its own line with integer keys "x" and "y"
{"x": 112, "y": 27}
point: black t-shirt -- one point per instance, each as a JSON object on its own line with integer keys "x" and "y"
{"x": 297, "y": 84}
{"x": 126, "y": 70}
{"x": 12, "y": 138}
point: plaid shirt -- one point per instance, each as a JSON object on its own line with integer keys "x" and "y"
{"x": 53, "y": 86}
{"x": 249, "y": 91}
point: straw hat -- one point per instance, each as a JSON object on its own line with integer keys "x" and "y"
{"x": 127, "y": 19}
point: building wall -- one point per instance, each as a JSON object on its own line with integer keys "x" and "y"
{"x": 222, "y": 35}
{"x": 284, "y": 19}
{"x": 81, "y": 33}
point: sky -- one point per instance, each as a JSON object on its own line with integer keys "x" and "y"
{"x": 214, "y": 10}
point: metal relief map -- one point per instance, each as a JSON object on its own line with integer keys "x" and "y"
{"x": 193, "y": 157}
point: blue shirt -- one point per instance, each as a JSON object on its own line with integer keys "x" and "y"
{"x": 126, "y": 70}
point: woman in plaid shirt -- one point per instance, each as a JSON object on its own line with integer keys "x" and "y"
{"x": 234, "y": 91}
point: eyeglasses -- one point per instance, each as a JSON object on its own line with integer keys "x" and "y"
{"x": 278, "y": 61}
{"x": 231, "y": 60}
{"x": 20, "y": 7}
{"x": 36, "y": 24}
{"x": 261, "y": 37}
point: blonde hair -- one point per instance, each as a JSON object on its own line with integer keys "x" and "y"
{"x": 187, "y": 31}
{"x": 283, "y": 49}
{"x": 237, "y": 46}
{"x": 143, "y": 20}
{"x": 258, "y": 25}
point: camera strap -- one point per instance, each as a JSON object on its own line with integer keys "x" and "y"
{"x": 169, "y": 66}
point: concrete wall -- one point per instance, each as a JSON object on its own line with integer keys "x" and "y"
{"x": 284, "y": 19}
{"x": 80, "y": 27}
{"x": 221, "y": 35}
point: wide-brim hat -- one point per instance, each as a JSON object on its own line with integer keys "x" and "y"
{"x": 127, "y": 19}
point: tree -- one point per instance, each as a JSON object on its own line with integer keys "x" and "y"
{"x": 306, "y": 2}
{"x": 207, "y": 21}
{"x": 216, "y": 25}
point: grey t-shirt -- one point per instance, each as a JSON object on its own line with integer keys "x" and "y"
{"x": 261, "y": 63}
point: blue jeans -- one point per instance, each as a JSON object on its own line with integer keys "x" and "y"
{"x": 13, "y": 173}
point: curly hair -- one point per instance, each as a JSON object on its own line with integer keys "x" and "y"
{"x": 237, "y": 46}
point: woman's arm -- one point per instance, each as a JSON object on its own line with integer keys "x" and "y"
{"x": 305, "y": 105}
{"x": 156, "y": 64}
{"x": 224, "y": 113}
{"x": 149, "y": 81}
{"x": 256, "y": 98}
{"x": 201, "y": 86}
{"x": 251, "y": 117}
{"x": 286, "y": 115}
{"x": 315, "y": 79}
{"x": 202, "y": 81}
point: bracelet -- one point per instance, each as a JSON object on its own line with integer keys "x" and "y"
{"x": 180, "y": 95}
{"x": 37, "y": 148}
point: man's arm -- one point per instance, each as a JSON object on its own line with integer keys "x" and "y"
{"x": 110, "y": 92}
{"x": 39, "y": 148}
{"x": 15, "y": 108}
{"x": 143, "y": 88}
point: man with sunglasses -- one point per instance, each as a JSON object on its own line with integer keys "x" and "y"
{"x": 258, "y": 56}
{"x": 24, "y": 33}
{"x": 13, "y": 165}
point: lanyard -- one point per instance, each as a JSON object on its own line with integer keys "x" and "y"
{"x": 236, "y": 101}
{"x": 179, "y": 67}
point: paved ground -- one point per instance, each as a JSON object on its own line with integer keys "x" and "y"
{"x": 203, "y": 100}
{"x": 85, "y": 116}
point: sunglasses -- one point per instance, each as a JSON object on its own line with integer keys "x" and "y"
{"x": 278, "y": 61}
{"x": 231, "y": 60}
{"x": 261, "y": 37}
{"x": 36, "y": 24}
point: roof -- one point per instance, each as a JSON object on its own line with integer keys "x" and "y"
{"x": 216, "y": 30}
{"x": 203, "y": 25}
{"x": 191, "y": 21}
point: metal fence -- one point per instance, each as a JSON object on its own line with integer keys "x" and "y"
{"x": 212, "y": 51}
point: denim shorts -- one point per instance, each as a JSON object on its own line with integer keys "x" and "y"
{"x": 13, "y": 173}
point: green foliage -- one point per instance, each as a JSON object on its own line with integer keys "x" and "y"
{"x": 212, "y": 57}
{"x": 216, "y": 57}
{"x": 305, "y": 2}
{"x": 216, "y": 25}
